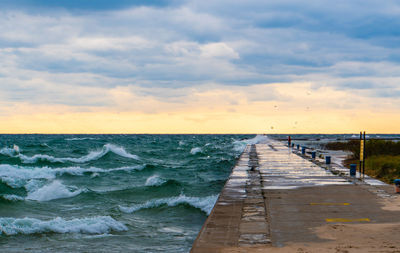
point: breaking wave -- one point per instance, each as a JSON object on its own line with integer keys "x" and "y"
{"x": 38, "y": 191}
{"x": 94, "y": 155}
{"x": 93, "y": 225}
{"x": 54, "y": 190}
{"x": 8, "y": 151}
{"x": 196, "y": 150}
{"x": 18, "y": 176}
{"x": 240, "y": 145}
{"x": 12, "y": 197}
{"x": 205, "y": 204}
{"x": 154, "y": 180}
{"x": 81, "y": 139}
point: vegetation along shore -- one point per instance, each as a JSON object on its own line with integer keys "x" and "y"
{"x": 382, "y": 157}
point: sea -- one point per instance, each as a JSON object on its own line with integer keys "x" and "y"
{"x": 110, "y": 193}
{"x": 116, "y": 193}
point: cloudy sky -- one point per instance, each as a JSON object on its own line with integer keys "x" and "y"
{"x": 125, "y": 66}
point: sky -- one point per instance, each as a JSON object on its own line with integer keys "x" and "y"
{"x": 124, "y": 66}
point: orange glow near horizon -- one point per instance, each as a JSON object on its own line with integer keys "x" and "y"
{"x": 265, "y": 108}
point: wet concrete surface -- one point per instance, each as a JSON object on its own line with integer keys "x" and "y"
{"x": 275, "y": 197}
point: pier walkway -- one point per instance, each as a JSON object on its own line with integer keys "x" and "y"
{"x": 278, "y": 201}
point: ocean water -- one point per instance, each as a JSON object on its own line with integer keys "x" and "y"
{"x": 110, "y": 193}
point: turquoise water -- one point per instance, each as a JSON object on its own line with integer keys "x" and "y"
{"x": 110, "y": 193}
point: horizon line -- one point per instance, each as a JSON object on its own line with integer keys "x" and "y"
{"x": 192, "y": 133}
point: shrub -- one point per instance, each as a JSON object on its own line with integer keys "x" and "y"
{"x": 382, "y": 157}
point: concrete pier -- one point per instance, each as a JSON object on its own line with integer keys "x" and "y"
{"x": 278, "y": 201}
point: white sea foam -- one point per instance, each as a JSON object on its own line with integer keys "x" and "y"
{"x": 93, "y": 225}
{"x": 78, "y": 171}
{"x": 40, "y": 192}
{"x": 33, "y": 184}
{"x": 154, "y": 180}
{"x": 196, "y": 150}
{"x": 174, "y": 230}
{"x": 54, "y": 190}
{"x": 94, "y": 155}
{"x": 16, "y": 148}
{"x": 8, "y": 151}
{"x": 18, "y": 176}
{"x": 95, "y": 175}
{"x": 240, "y": 145}
{"x": 80, "y": 139}
{"x": 205, "y": 204}
{"x": 12, "y": 197}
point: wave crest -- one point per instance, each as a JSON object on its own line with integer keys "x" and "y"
{"x": 155, "y": 180}
{"x": 80, "y": 139}
{"x": 94, "y": 155}
{"x": 93, "y": 225}
{"x": 240, "y": 145}
{"x": 205, "y": 204}
{"x": 196, "y": 150}
{"x": 12, "y": 197}
{"x": 17, "y": 176}
{"x": 54, "y": 190}
{"x": 8, "y": 151}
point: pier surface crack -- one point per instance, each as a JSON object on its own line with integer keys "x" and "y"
{"x": 253, "y": 226}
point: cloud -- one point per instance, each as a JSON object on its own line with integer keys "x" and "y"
{"x": 287, "y": 107}
{"x": 162, "y": 56}
{"x": 76, "y": 5}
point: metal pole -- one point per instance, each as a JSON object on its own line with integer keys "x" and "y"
{"x": 364, "y": 155}
{"x": 360, "y": 157}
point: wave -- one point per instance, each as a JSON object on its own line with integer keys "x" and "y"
{"x": 93, "y": 225}
{"x": 54, "y": 190}
{"x": 18, "y": 176}
{"x": 12, "y": 197}
{"x": 162, "y": 182}
{"x": 81, "y": 139}
{"x": 240, "y": 145}
{"x": 154, "y": 180}
{"x": 8, "y": 151}
{"x": 196, "y": 150}
{"x": 151, "y": 188}
{"x": 94, "y": 155}
{"x": 205, "y": 204}
{"x": 39, "y": 192}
